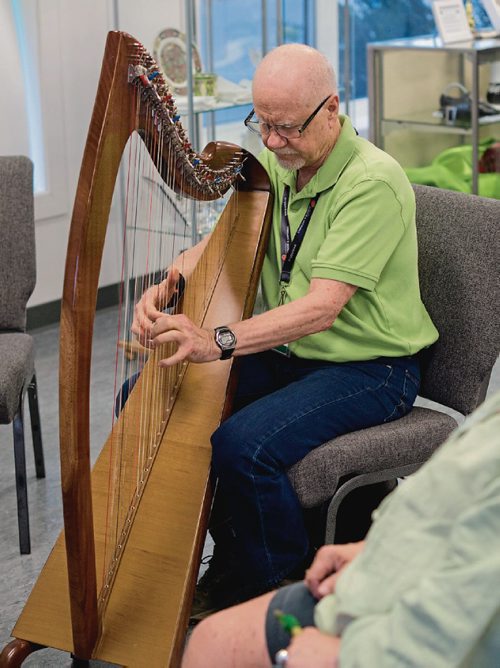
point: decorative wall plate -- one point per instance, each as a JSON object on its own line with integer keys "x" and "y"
{"x": 170, "y": 52}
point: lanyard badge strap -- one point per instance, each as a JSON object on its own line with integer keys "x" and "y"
{"x": 289, "y": 250}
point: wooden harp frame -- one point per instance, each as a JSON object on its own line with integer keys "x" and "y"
{"x": 146, "y": 614}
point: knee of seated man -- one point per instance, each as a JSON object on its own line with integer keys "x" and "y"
{"x": 232, "y": 449}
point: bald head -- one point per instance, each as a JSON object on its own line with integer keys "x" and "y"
{"x": 294, "y": 71}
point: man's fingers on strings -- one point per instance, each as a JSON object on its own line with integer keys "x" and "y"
{"x": 163, "y": 323}
{"x": 172, "y": 278}
{"x": 165, "y": 336}
{"x": 176, "y": 358}
{"x": 142, "y": 330}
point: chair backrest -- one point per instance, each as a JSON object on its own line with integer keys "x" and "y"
{"x": 17, "y": 240}
{"x": 459, "y": 261}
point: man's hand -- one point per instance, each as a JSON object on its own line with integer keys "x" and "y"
{"x": 313, "y": 648}
{"x": 154, "y": 328}
{"x": 193, "y": 343}
{"x": 328, "y": 563}
{"x": 150, "y": 306}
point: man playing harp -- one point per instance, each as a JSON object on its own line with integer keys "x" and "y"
{"x": 335, "y": 349}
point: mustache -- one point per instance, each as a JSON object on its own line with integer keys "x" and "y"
{"x": 285, "y": 154}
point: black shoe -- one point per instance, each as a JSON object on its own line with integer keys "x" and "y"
{"x": 214, "y": 590}
{"x": 221, "y": 586}
{"x": 223, "y": 593}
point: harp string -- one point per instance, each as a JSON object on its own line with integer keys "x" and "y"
{"x": 117, "y": 450}
{"x": 150, "y": 210}
{"x": 146, "y": 217}
{"x": 120, "y": 355}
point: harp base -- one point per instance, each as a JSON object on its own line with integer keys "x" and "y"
{"x": 14, "y": 653}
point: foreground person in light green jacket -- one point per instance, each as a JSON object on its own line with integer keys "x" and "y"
{"x": 423, "y": 590}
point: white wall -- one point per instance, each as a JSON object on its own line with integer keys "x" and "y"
{"x": 72, "y": 37}
{"x": 145, "y": 21}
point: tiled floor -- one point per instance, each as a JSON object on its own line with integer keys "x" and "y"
{"x": 18, "y": 573}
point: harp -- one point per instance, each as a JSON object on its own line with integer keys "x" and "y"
{"x": 132, "y": 608}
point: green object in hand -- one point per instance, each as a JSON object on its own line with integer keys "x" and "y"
{"x": 290, "y": 623}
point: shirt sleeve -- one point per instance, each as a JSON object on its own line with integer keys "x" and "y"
{"x": 439, "y": 621}
{"x": 367, "y": 226}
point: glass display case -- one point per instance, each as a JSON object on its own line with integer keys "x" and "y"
{"x": 462, "y": 62}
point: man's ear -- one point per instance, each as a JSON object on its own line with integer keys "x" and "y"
{"x": 333, "y": 104}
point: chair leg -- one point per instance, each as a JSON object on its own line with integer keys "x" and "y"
{"x": 376, "y": 492}
{"x": 354, "y": 515}
{"x": 21, "y": 488}
{"x": 36, "y": 429}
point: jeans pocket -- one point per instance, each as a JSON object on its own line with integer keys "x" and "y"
{"x": 406, "y": 398}
{"x": 413, "y": 379}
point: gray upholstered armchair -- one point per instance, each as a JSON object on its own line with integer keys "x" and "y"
{"x": 17, "y": 280}
{"x": 459, "y": 262}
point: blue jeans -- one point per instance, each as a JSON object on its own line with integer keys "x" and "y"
{"x": 286, "y": 407}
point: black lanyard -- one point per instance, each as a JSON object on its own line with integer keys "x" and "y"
{"x": 289, "y": 250}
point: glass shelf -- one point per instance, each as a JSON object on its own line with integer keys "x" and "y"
{"x": 483, "y": 47}
{"x": 202, "y": 105}
{"x": 430, "y": 121}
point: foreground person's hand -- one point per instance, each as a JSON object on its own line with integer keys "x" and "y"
{"x": 327, "y": 565}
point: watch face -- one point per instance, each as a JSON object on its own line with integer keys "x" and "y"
{"x": 226, "y": 338}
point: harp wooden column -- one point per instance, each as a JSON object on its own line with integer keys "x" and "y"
{"x": 146, "y": 615}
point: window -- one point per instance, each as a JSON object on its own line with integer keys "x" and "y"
{"x": 233, "y": 37}
{"x": 379, "y": 20}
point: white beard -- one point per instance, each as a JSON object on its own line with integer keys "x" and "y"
{"x": 290, "y": 161}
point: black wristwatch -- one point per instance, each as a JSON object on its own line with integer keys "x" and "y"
{"x": 226, "y": 340}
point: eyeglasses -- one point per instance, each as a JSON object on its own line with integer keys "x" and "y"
{"x": 284, "y": 131}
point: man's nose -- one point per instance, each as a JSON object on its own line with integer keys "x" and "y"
{"x": 274, "y": 140}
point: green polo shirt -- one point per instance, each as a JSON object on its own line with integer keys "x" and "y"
{"x": 362, "y": 232}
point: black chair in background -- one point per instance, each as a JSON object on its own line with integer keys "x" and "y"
{"x": 17, "y": 281}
